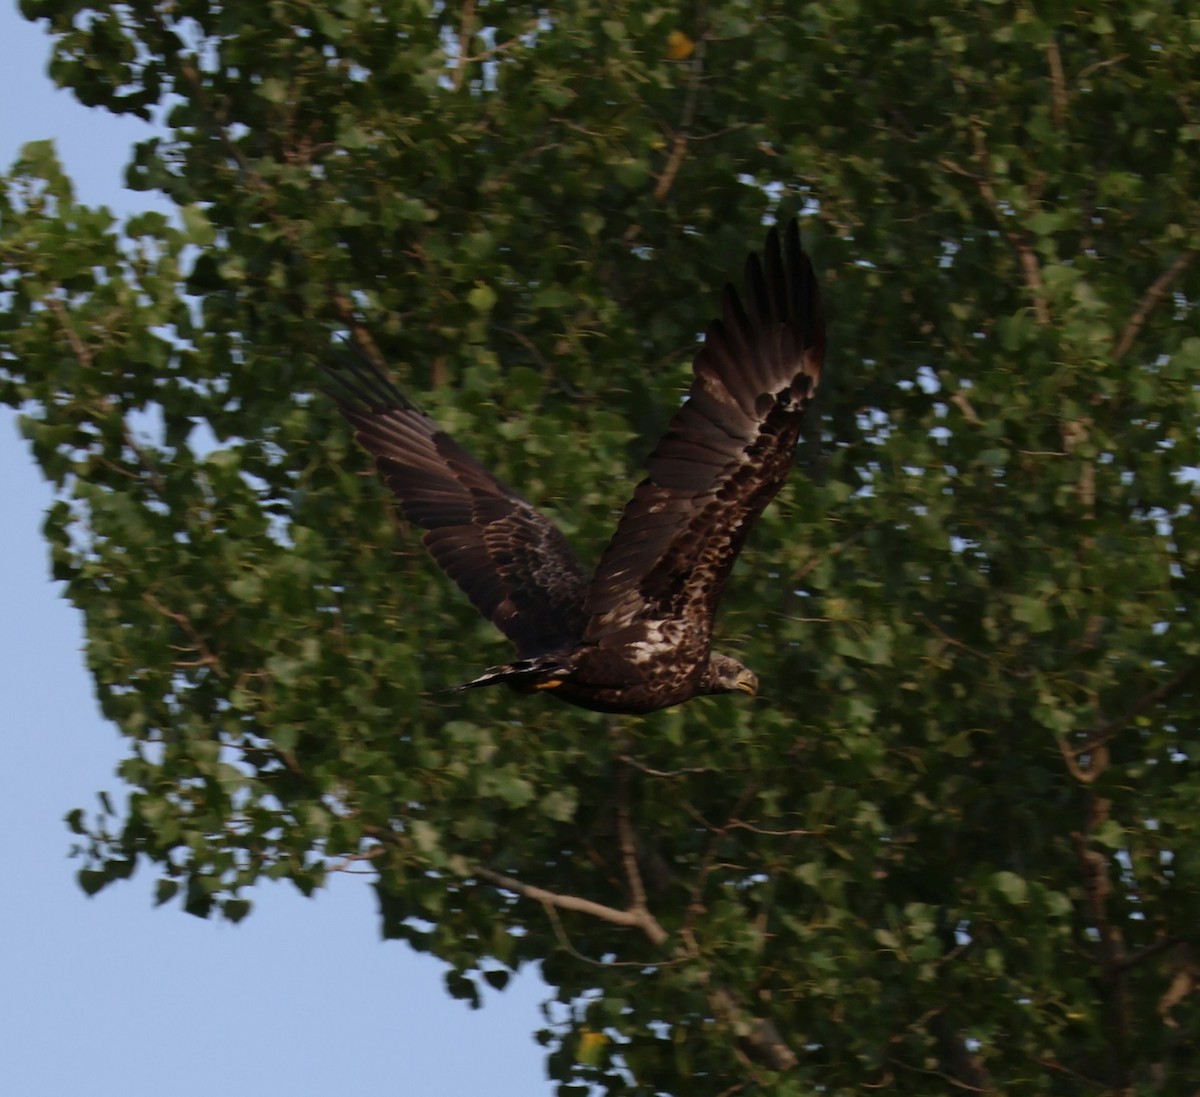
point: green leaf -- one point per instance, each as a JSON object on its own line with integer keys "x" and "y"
{"x": 482, "y": 298}
{"x": 1014, "y": 888}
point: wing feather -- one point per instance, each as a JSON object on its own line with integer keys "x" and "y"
{"x": 511, "y": 561}
{"x": 726, "y": 453}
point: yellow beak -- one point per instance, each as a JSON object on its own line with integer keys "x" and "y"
{"x": 747, "y": 683}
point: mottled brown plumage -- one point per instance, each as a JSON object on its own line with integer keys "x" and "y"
{"x": 635, "y": 636}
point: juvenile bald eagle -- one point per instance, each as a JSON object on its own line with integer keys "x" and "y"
{"x": 635, "y": 636}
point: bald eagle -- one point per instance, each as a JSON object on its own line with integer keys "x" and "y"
{"x": 636, "y": 636}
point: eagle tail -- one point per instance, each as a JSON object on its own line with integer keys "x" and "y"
{"x": 524, "y": 675}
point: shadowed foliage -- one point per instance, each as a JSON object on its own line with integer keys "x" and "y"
{"x": 953, "y": 845}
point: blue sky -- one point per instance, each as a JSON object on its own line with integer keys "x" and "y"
{"x": 110, "y": 996}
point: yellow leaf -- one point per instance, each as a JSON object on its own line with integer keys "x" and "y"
{"x": 679, "y": 46}
{"x": 591, "y": 1045}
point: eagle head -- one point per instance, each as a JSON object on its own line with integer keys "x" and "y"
{"x": 726, "y": 675}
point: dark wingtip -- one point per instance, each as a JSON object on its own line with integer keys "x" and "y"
{"x": 356, "y": 382}
{"x": 803, "y": 291}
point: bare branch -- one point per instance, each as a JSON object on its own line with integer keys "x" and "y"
{"x": 679, "y": 145}
{"x": 1029, "y": 261}
{"x": 1085, "y": 774}
{"x": 531, "y": 347}
{"x": 343, "y": 865}
{"x": 633, "y": 919}
{"x": 1138, "y": 956}
{"x": 758, "y": 1035}
{"x": 1085, "y": 73}
{"x": 1097, "y": 886}
{"x": 1106, "y": 731}
{"x": 206, "y": 657}
{"x": 946, "y": 638}
{"x": 948, "y": 1078}
{"x": 78, "y": 347}
{"x": 969, "y": 1072}
{"x": 1151, "y": 298}
{"x": 1058, "y": 85}
{"x": 960, "y": 401}
{"x": 680, "y": 136}
{"x": 666, "y": 773}
{"x": 1025, "y": 254}
{"x": 464, "y": 41}
{"x": 799, "y": 832}
{"x": 756, "y": 1032}
{"x": 628, "y": 844}
{"x": 560, "y": 933}
{"x": 957, "y": 169}
{"x": 819, "y": 558}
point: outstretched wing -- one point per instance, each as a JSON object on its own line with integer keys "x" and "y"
{"x": 511, "y": 561}
{"x": 726, "y": 454}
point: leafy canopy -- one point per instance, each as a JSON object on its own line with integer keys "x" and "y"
{"x": 955, "y": 843}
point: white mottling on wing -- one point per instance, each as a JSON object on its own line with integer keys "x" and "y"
{"x": 661, "y": 636}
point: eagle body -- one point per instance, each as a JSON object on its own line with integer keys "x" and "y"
{"x": 636, "y": 673}
{"x": 636, "y": 635}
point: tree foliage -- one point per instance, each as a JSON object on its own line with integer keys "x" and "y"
{"x": 955, "y": 843}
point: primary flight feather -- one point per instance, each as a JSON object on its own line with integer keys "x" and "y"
{"x": 637, "y": 635}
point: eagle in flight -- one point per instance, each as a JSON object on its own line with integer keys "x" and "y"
{"x": 636, "y": 636}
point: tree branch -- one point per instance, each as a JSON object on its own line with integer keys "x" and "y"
{"x": 679, "y": 136}
{"x": 628, "y": 845}
{"x": 1058, "y": 85}
{"x": 1025, "y": 254}
{"x": 1109, "y": 728}
{"x": 966, "y": 1067}
{"x": 1029, "y": 261}
{"x": 757, "y": 1034}
{"x": 667, "y": 774}
{"x": 464, "y": 41}
{"x": 206, "y": 657}
{"x": 1151, "y": 298}
{"x": 633, "y": 919}
{"x": 1138, "y": 956}
{"x": 1097, "y": 888}
{"x": 78, "y": 347}
{"x": 680, "y": 143}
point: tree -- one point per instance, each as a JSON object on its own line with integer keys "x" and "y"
{"x": 955, "y": 844}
